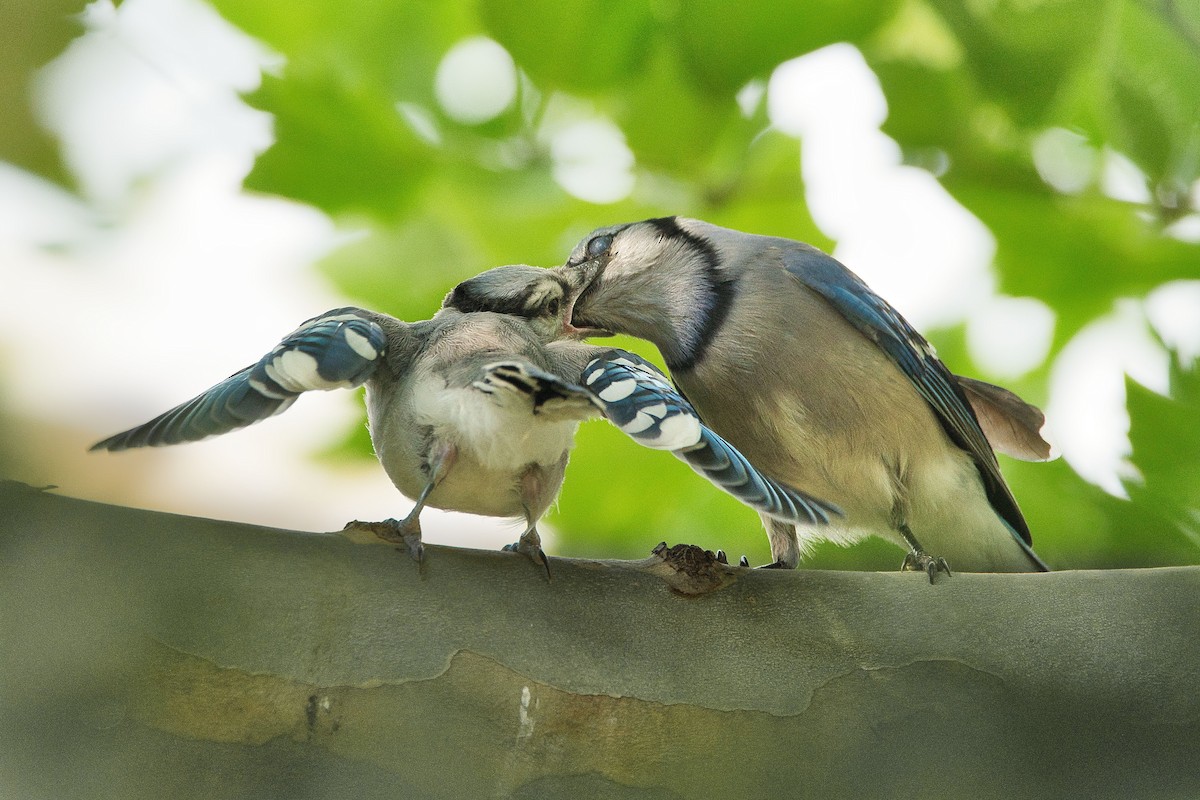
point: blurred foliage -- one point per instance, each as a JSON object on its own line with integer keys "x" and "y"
{"x": 1166, "y": 441}
{"x": 34, "y": 31}
{"x": 970, "y": 88}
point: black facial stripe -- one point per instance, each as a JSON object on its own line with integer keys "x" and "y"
{"x": 721, "y": 291}
{"x": 466, "y": 301}
{"x": 721, "y": 295}
{"x": 669, "y": 228}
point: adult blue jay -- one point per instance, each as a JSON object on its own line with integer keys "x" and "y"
{"x": 474, "y": 411}
{"x": 822, "y": 385}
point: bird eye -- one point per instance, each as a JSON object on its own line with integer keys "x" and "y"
{"x": 599, "y": 246}
{"x": 552, "y": 308}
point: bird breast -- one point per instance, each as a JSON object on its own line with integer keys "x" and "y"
{"x": 811, "y": 402}
{"x": 496, "y": 446}
{"x": 498, "y": 436}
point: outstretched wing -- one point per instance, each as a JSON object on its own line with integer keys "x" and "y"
{"x": 339, "y": 349}
{"x": 641, "y": 401}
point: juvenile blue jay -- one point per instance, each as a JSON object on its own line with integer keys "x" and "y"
{"x": 822, "y": 385}
{"x": 474, "y": 411}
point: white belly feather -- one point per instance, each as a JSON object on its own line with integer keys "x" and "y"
{"x": 495, "y": 441}
{"x": 498, "y": 434}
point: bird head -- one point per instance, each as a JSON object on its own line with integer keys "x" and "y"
{"x": 659, "y": 279}
{"x": 544, "y": 297}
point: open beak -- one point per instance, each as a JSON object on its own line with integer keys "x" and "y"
{"x": 584, "y": 279}
{"x": 571, "y": 332}
{"x": 582, "y": 331}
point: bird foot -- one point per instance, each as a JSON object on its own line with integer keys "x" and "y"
{"x": 531, "y": 548}
{"x": 920, "y": 561}
{"x": 394, "y": 531}
{"x": 745, "y": 562}
{"x": 722, "y": 558}
{"x": 690, "y": 570}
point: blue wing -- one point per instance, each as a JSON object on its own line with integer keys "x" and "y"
{"x": 339, "y": 349}
{"x": 883, "y": 325}
{"x": 641, "y": 401}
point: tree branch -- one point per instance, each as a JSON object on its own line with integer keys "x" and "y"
{"x": 151, "y": 655}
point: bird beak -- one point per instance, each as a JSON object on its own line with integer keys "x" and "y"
{"x": 582, "y": 278}
{"x": 570, "y": 330}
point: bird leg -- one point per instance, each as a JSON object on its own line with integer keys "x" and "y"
{"x": 785, "y": 543}
{"x": 532, "y": 488}
{"x": 918, "y": 560}
{"x": 407, "y": 531}
{"x": 530, "y": 545}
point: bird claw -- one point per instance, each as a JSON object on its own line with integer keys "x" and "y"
{"x": 720, "y": 557}
{"x": 690, "y": 570}
{"x": 396, "y": 532}
{"x": 531, "y": 549}
{"x": 920, "y": 561}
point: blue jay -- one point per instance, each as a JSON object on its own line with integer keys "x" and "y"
{"x": 822, "y": 385}
{"x": 474, "y": 411}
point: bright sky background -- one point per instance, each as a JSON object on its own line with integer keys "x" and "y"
{"x": 116, "y": 307}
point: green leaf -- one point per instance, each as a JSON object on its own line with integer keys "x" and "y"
{"x": 672, "y": 126}
{"x": 1165, "y": 434}
{"x": 1077, "y": 254}
{"x": 404, "y": 270}
{"x": 932, "y": 111}
{"x": 577, "y": 45}
{"x": 765, "y": 193}
{"x": 1120, "y": 72}
{"x": 394, "y": 45}
{"x": 1077, "y": 525}
{"x": 34, "y": 32}
{"x": 1154, "y": 110}
{"x": 1020, "y": 52}
{"x": 340, "y": 144}
{"x": 726, "y": 44}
